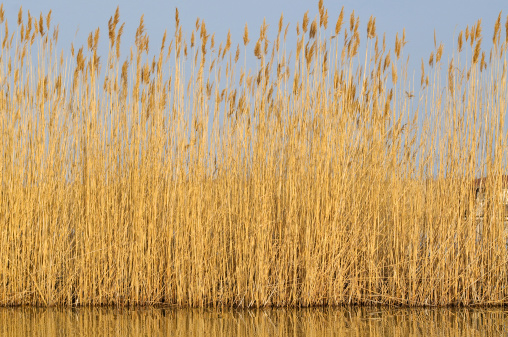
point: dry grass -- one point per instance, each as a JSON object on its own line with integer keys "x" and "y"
{"x": 190, "y": 180}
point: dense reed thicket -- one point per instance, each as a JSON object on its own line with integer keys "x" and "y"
{"x": 325, "y": 176}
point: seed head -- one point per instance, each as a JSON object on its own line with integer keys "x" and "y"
{"x": 48, "y": 20}
{"x": 305, "y": 23}
{"x": 397, "y": 46}
{"x": 20, "y": 16}
{"x": 257, "y": 49}
{"x": 476, "y": 52}
{"x": 506, "y": 29}
{"x": 313, "y": 29}
{"x": 497, "y": 30}
{"x": 394, "y": 74}
{"x": 324, "y": 20}
{"x": 228, "y": 42}
{"x": 41, "y": 25}
{"x": 439, "y": 53}
{"x": 478, "y": 29}
{"x": 371, "y": 27}
{"x": 338, "y": 25}
{"x": 246, "y": 35}
{"x": 237, "y": 56}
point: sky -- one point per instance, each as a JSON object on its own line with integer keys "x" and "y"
{"x": 77, "y": 18}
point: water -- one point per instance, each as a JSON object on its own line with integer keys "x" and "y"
{"x": 355, "y": 321}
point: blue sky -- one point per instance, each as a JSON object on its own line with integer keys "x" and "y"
{"x": 77, "y": 18}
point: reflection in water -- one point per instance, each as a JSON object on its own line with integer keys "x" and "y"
{"x": 355, "y": 321}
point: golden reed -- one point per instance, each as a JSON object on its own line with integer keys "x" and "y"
{"x": 177, "y": 176}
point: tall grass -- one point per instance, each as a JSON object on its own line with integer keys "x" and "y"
{"x": 322, "y": 177}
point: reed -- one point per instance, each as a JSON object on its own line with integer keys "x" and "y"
{"x": 176, "y": 176}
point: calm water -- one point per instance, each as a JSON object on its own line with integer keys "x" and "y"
{"x": 270, "y": 322}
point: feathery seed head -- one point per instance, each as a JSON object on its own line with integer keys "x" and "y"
{"x": 257, "y": 49}
{"x": 29, "y": 24}
{"x": 506, "y": 29}
{"x": 80, "y": 61}
{"x": 204, "y": 39}
{"x": 338, "y": 25}
{"x": 397, "y": 45}
{"x": 439, "y": 53}
{"x": 90, "y": 40}
{"x": 305, "y": 23}
{"x": 321, "y": 13}
{"x": 459, "y": 42}
{"x": 394, "y": 74}
{"x": 117, "y": 16}
{"x": 111, "y": 32}
{"x": 228, "y": 42}
{"x": 476, "y": 52}
{"x": 41, "y": 25}
{"x": 96, "y": 39}
{"x": 431, "y": 59}
{"x": 237, "y": 55}
{"x": 450, "y": 77}
{"x": 139, "y": 32}
{"x": 313, "y": 29}
{"x": 20, "y": 16}
{"x": 325, "y": 19}
{"x": 371, "y": 28}
{"x": 118, "y": 39}
{"x": 356, "y": 44}
{"x": 352, "y": 21}
{"x": 497, "y": 30}
{"x": 246, "y": 35}
{"x": 263, "y": 29}
{"x": 478, "y": 29}
{"x": 48, "y": 20}
{"x": 387, "y": 62}
{"x": 163, "y": 44}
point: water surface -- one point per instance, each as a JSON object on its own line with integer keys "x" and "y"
{"x": 351, "y": 321}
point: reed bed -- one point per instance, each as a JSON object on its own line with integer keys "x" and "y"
{"x": 179, "y": 176}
